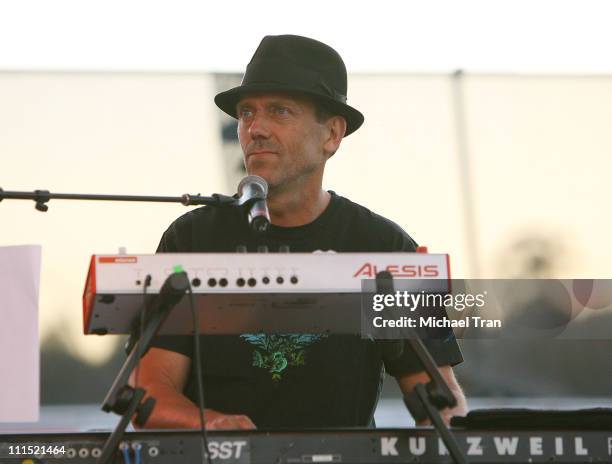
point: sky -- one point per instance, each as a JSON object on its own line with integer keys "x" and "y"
{"x": 520, "y": 36}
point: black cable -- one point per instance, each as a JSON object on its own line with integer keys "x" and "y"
{"x": 198, "y": 373}
{"x": 146, "y": 284}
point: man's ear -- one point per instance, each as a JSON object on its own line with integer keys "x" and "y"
{"x": 336, "y": 129}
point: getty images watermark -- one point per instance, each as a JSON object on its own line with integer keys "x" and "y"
{"x": 485, "y": 308}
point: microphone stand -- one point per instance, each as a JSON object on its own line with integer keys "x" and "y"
{"x": 42, "y": 197}
{"x": 122, "y": 398}
{"x": 426, "y": 401}
{"x": 254, "y": 203}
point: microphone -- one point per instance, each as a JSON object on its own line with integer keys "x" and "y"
{"x": 252, "y": 192}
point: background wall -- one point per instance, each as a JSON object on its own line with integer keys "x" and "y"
{"x": 520, "y": 161}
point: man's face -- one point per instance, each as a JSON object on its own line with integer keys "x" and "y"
{"x": 281, "y": 139}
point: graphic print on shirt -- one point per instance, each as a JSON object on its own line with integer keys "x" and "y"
{"x": 278, "y": 351}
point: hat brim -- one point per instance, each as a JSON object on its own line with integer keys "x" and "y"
{"x": 228, "y": 100}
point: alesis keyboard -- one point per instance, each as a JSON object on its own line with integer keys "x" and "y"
{"x": 418, "y": 445}
{"x": 253, "y": 292}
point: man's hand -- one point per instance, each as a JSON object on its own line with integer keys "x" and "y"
{"x": 218, "y": 421}
{"x": 164, "y": 374}
{"x": 409, "y": 381}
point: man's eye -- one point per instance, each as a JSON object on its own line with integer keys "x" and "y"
{"x": 283, "y": 110}
{"x": 244, "y": 113}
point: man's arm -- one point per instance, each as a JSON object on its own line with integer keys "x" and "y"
{"x": 163, "y": 374}
{"x": 407, "y": 383}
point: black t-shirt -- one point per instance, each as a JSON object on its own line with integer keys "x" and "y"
{"x": 295, "y": 380}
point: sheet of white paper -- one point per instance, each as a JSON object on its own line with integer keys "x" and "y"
{"x": 19, "y": 347}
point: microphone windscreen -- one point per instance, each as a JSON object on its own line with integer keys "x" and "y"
{"x": 252, "y": 181}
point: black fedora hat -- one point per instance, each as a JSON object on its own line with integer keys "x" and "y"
{"x": 290, "y": 63}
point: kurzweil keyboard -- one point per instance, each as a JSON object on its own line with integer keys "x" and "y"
{"x": 252, "y": 292}
{"x": 418, "y": 445}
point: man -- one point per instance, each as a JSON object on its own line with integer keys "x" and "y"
{"x": 292, "y": 116}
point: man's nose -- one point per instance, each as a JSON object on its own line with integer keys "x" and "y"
{"x": 260, "y": 126}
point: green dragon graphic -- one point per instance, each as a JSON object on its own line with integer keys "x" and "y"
{"x": 278, "y": 351}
